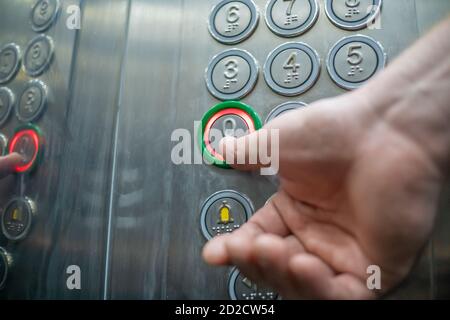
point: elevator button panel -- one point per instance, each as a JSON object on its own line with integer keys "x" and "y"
{"x": 7, "y": 101}
{"x": 27, "y": 141}
{"x": 242, "y": 288}
{"x": 5, "y": 265}
{"x": 38, "y": 55}
{"x": 291, "y": 18}
{"x": 44, "y": 14}
{"x": 10, "y": 60}
{"x": 233, "y": 21}
{"x": 230, "y": 118}
{"x": 33, "y": 101}
{"x": 224, "y": 212}
{"x": 352, "y": 14}
{"x": 283, "y": 108}
{"x": 17, "y": 218}
{"x": 354, "y": 60}
{"x": 232, "y": 74}
{"x": 292, "y": 68}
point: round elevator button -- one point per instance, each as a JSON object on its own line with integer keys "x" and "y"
{"x": 38, "y": 55}
{"x": 354, "y": 60}
{"x": 9, "y": 62}
{"x": 33, "y": 101}
{"x": 43, "y": 14}
{"x": 230, "y": 118}
{"x": 292, "y": 68}
{"x": 5, "y": 264}
{"x": 3, "y": 145}
{"x": 352, "y": 14}
{"x": 7, "y": 101}
{"x": 27, "y": 142}
{"x": 233, "y": 21}
{"x": 242, "y": 288}
{"x": 224, "y": 212}
{"x": 231, "y": 75}
{"x": 283, "y": 108}
{"x": 291, "y": 18}
{"x": 17, "y": 218}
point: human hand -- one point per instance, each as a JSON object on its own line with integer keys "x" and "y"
{"x": 360, "y": 176}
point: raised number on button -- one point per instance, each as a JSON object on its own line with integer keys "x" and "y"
{"x": 35, "y": 54}
{"x": 233, "y": 17}
{"x": 44, "y": 8}
{"x": 292, "y": 65}
{"x": 289, "y": 17}
{"x": 230, "y": 73}
{"x": 30, "y": 100}
{"x": 229, "y": 126}
{"x": 355, "y": 58}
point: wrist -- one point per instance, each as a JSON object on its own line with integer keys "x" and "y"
{"x": 412, "y": 95}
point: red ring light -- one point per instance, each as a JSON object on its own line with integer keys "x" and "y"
{"x": 232, "y": 111}
{"x": 35, "y": 138}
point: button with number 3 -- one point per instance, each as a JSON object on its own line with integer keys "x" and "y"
{"x": 292, "y": 68}
{"x": 232, "y": 74}
{"x": 233, "y": 21}
{"x": 354, "y": 60}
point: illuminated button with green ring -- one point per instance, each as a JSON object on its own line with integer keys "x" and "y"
{"x": 230, "y": 118}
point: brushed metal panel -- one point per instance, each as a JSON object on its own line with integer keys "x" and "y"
{"x": 157, "y": 240}
{"x": 71, "y": 186}
{"x": 109, "y": 198}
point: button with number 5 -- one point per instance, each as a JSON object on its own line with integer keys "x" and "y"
{"x": 232, "y": 74}
{"x": 33, "y": 101}
{"x": 354, "y": 60}
{"x": 292, "y": 68}
{"x": 38, "y": 55}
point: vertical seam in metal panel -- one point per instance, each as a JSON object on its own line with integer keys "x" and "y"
{"x": 431, "y": 242}
{"x": 114, "y": 160}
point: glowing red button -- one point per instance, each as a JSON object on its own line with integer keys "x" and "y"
{"x": 27, "y": 143}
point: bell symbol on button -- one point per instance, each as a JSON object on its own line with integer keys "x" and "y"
{"x": 225, "y": 214}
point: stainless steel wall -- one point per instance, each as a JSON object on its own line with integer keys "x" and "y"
{"x": 108, "y": 196}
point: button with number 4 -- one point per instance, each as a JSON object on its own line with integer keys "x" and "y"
{"x": 33, "y": 101}
{"x": 233, "y": 21}
{"x": 354, "y": 60}
{"x": 292, "y": 68}
{"x": 232, "y": 74}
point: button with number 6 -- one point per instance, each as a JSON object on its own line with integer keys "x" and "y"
{"x": 233, "y": 21}
{"x": 232, "y": 74}
{"x": 354, "y": 60}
